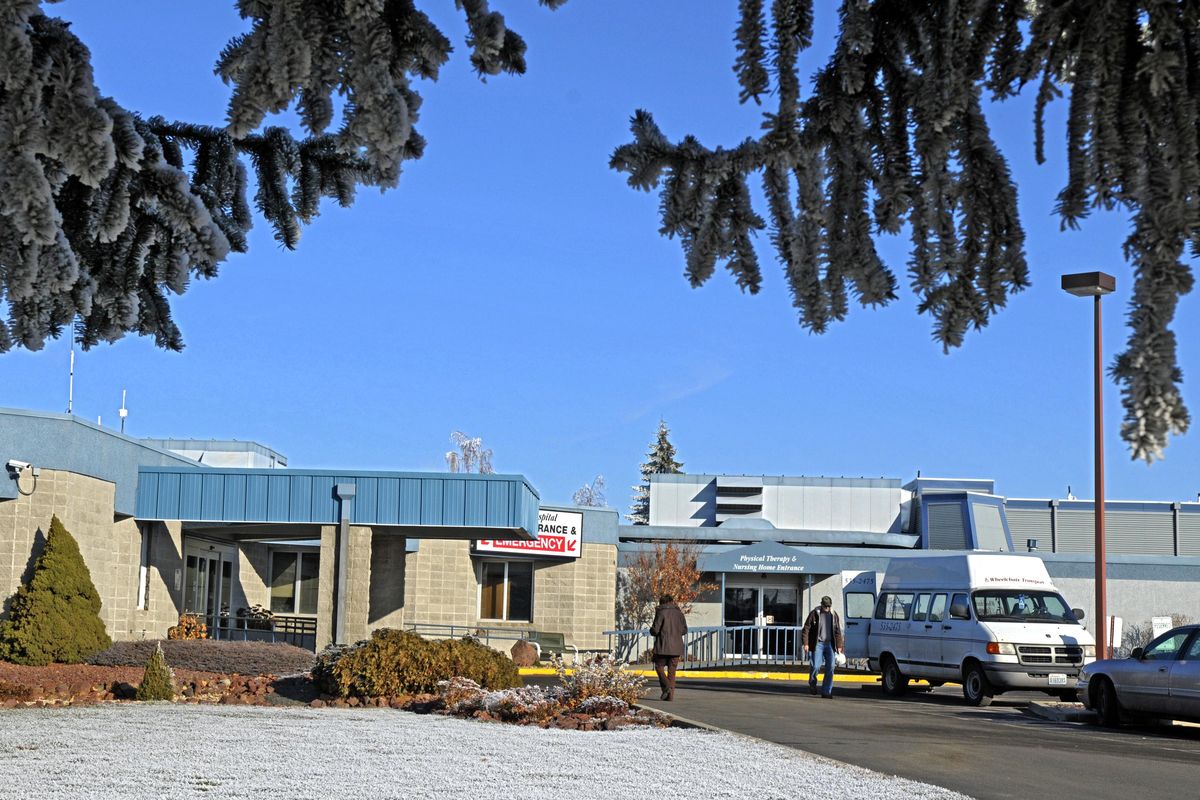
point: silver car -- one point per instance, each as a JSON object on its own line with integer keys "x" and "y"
{"x": 1161, "y": 680}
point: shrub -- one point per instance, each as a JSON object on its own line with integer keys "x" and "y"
{"x": 464, "y": 697}
{"x": 394, "y": 662}
{"x": 599, "y": 676}
{"x": 56, "y": 616}
{"x": 189, "y": 627}
{"x": 158, "y": 682}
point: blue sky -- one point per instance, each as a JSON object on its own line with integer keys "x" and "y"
{"x": 515, "y": 288}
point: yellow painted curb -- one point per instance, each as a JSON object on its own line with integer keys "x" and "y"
{"x": 730, "y": 675}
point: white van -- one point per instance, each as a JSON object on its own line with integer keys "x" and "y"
{"x": 993, "y": 621}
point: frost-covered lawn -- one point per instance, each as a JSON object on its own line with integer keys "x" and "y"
{"x": 159, "y": 751}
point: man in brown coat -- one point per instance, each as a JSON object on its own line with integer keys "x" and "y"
{"x": 668, "y": 629}
{"x": 822, "y": 635}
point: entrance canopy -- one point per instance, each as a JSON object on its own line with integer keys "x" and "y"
{"x": 429, "y": 504}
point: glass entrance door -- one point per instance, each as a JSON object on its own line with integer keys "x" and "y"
{"x": 781, "y": 609}
{"x": 208, "y": 587}
{"x": 742, "y": 607}
{"x": 765, "y": 607}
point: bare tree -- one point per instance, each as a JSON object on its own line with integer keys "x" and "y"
{"x": 590, "y": 494}
{"x": 471, "y": 455}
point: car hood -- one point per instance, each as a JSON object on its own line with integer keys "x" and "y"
{"x": 1039, "y": 633}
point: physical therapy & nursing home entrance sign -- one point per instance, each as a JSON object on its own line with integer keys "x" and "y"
{"x": 560, "y": 535}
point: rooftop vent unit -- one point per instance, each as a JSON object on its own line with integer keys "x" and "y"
{"x": 739, "y": 497}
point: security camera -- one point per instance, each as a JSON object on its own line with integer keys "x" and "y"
{"x": 17, "y": 466}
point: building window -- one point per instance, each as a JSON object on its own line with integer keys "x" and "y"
{"x": 506, "y": 590}
{"x": 294, "y": 582}
{"x": 143, "y": 598}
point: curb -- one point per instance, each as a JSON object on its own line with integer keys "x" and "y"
{"x": 1061, "y": 712}
{"x": 725, "y": 675}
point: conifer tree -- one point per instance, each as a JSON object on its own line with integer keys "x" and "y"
{"x": 105, "y": 212}
{"x": 56, "y": 616}
{"x": 158, "y": 681}
{"x": 893, "y": 133}
{"x": 659, "y": 459}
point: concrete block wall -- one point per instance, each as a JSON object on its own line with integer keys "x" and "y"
{"x": 111, "y": 549}
{"x": 387, "y": 581}
{"x": 574, "y": 598}
{"x": 440, "y": 584}
{"x": 358, "y": 585}
{"x": 577, "y": 597}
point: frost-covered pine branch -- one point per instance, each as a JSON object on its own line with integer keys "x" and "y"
{"x": 893, "y": 134}
{"x": 105, "y": 213}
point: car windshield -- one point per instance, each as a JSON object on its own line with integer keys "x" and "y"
{"x": 1015, "y": 605}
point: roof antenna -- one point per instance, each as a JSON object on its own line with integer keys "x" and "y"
{"x": 71, "y": 381}
{"x": 124, "y": 412}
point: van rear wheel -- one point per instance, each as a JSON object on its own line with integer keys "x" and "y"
{"x": 976, "y": 688}
{"x": 895, "y": 683}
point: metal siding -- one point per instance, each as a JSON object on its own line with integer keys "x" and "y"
{"x": 947, "y": 527}
{"x": 277, "y": 497}
{"x": 1029, "y": 523}
{"x": 1189, "y": 534}
{"x": 190, "y": 489}
{"x": 388, "y": 504}
{"x": 431, "y": 501}
{"x": 1076, "y": 532}
{"x": 256, "y": 498}
{"x": 410, "y": 501}
{"x": 366, "y": 500}
{"x": 233, "y": 502}
{"x": 475, "y": 504}
{"x": 454, "y": 503}
{"x": 147, "y": 496}
{"x": 1131, "y": 532}
{"x": 300, "y": 499}
{"x": 497, "y": 504}
{"x": 324, "y": 506}
{"x": 212, "y": 497}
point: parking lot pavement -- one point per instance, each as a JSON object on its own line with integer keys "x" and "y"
{"x": 995, "y": 752}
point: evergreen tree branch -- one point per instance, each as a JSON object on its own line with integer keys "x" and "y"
{"x": 894, "y": 133}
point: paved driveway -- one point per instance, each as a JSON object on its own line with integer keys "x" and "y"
{"x": 995, "y": 752}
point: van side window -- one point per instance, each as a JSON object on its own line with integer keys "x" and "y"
{"x": 922, "y": 608}
{"x": 859, "y": 604}
{"x": 959, "y": 604}
{"x": 937, "y": 611}
{"x": 894, "y": 605}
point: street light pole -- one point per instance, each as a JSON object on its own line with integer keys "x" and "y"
{"x": 1096, "y": 285}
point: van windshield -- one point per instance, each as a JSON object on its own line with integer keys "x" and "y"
{"x": 1016, "y": 605}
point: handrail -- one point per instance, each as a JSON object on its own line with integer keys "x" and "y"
{"x": 719, "y": 645}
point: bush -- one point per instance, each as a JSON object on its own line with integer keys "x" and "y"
{"x": 56, "y": 616}
{"x": 189, "y": 627}
{"x": 600, "y": 676}
{"x": 158, "y": 682}
{"x": 210, "y": 655}
{"x": 393, "y": 663}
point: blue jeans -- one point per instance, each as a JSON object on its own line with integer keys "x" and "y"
{"x": 823, "y": 656}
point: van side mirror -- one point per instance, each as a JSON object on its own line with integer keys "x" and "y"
{"x": 1136, "y": 654}
{"x": 1078, "y": 612}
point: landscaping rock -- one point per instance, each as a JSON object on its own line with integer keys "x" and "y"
{"x": 124, "y": 691}
{"x": 524, "y": 654}
{"x": 318, "y": 703}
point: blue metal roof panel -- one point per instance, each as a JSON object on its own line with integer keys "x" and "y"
{"x": 307, "y": 496}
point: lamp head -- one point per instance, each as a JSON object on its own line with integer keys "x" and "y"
{"x": 1089, "y": 284}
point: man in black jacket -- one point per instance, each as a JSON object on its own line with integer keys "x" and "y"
{"x": 822, "y": 635}
{"x": 668, "y": 629}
